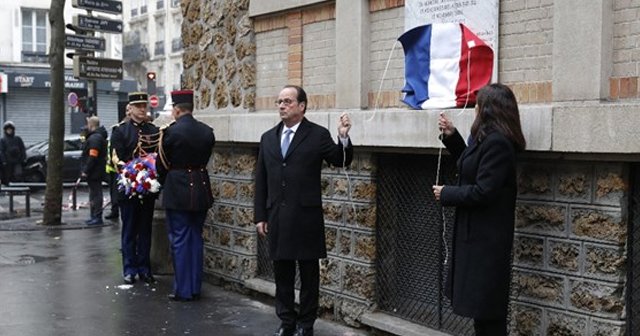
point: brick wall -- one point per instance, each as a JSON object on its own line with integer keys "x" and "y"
{"x": 319, "y": 65}
{"x": 525, "y": 48}
{"x": 387, "y": 24}
{"x": 271, "y": 58}
{"x": 626, "y": 55}
{"x": 569, "y": 250}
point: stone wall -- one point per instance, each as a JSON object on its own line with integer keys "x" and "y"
{"x": 219, "y": 58}
{"x": 230, "y": 237}
{"x": 569, "y": 250}
{"x": 347, "y": 276}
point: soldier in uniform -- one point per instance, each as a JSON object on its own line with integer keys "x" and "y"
{"x": 185, "y": 148}
{"x": 132, "y": 138}
{"x": 112, "y": 171}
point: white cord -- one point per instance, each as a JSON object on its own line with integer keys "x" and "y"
{"x": 444, "y": 219}
{"x": 384, "y": 75}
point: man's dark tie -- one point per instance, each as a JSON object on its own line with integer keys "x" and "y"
{"x": 286, "y": 141}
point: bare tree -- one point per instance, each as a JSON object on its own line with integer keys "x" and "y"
{"x": 53, "y": 193}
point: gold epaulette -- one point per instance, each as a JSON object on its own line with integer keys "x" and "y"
{"x": 165, "y": 126}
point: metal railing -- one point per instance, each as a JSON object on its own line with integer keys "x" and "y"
{"x": 159, "y": 48}
{"x": 34, "y": 57}
{"x": 633, "y": 253}
{"x": 410, "y": 274}
{"x": 176, "y": 44}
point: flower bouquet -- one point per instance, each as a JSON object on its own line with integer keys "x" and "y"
{"x": 139, "y": 177}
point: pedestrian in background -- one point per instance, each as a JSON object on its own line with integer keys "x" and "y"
{"x": 288, "y": 204}
{"x": 485, "y": 198}
{"x": 112, "y": 173}
{"x": 133, "y": 138}
{"x": 12, "y": 154}
{"x": 94, "y": 159}
{"x": 184, "y": 152}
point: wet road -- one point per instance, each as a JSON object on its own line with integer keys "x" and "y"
{"x": 67, "y": 282}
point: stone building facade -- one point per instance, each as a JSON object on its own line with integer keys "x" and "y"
{"x": 574, "y": 68}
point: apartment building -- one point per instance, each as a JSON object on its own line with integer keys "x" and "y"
{"x": 153, "y": 43}
{"x": 24, "y": 45}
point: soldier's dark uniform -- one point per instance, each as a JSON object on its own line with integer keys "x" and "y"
{"x": 186, "y": 194}
{"x": 136, "y": 213}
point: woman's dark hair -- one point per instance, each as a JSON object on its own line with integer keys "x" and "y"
{"x": 498, "y": 110}
{"x": 302, "y": 95}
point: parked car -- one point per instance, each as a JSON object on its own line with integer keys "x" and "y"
{"x": 35, "y": 167}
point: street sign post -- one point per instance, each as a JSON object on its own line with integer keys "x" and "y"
{"x": 97, "y": 24}
{"x": 82, "y": 42}
{"x": 97, "y": 68}
{"x": 107, "y": 6}
{"x": 154, "y": 101}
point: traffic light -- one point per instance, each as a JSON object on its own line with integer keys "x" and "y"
{"x": 151, "y": 83}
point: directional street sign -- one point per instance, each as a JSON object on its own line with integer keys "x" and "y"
{"x": 81, "y": 42}
{"x": 107, "y": 6}
{"x": 98, "y": 24}
{"x": 97, "y": 68}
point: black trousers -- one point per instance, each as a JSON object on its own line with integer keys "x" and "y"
{"x": 113, "y": 192}
{"x": 95, "y": 197}
{"x": 490, "y": 327}
{"x": 285, "y": 274}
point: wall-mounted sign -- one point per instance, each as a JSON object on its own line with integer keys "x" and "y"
{"x": 107, "y": 6}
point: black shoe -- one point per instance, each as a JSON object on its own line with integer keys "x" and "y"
{"x": 304, "y": 332}
{"x": 112, "y": 215}
{"x": 282, "y": 331}
{"x": 174, "y": 297}
{"x": 147, "y": 278}
{"x": 129, "y": 279}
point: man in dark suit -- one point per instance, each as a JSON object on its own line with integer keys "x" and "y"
{"x": 288, "y": 204}
{"x": 133, "y": 138}
{"x": 184, "y": 152}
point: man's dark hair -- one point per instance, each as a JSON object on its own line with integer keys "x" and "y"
{"x": 185, "y": 107}
{"x": 302, "y": 95}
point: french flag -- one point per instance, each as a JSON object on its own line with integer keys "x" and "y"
{"x": 445, "y": 65}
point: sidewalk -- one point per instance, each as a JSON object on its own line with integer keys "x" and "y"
{"x": 67, "y": 281}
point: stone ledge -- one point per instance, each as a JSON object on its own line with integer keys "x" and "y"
{"x": 266, "y": 287}
{"x": 602, "y": 128}
{"x": 257, "y": 8}
{"x": 397, "y": 326}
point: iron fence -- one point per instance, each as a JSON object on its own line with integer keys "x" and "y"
{"x": 411, "y": 251}
{"x": 633, "y": 294}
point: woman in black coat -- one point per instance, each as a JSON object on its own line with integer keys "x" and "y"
{"x": 484, "y": 197}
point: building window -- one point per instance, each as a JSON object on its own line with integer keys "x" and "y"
{"x": 134, "y": 8}
{"x": 34, "y": 36}
{"x": 143, "y": 7}
{"x": 160, "y": 4}
{"x": 175, "y": 3}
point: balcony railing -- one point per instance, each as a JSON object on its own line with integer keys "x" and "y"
{"x": 159, "y": 49}
{"x": 143, "y": 9}
{"x": 176, "y": 44}
{"x": 34, "y": 57}
{"x": 134, "y": 53}
{"x": 160, "y": 4}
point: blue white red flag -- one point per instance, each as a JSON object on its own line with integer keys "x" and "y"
{"x": 445, "y": 65}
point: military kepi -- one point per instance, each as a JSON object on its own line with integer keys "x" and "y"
{"x": 138, "y": 98}
{"x": 182, "y": 97}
